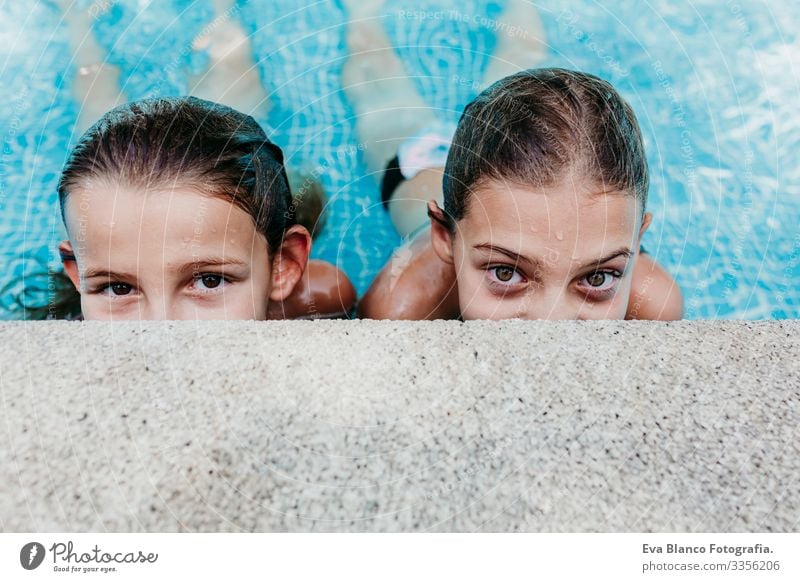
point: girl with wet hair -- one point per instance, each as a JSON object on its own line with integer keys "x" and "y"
{"x": 180, "y": 208}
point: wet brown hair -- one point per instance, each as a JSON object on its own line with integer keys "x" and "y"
{"x": 188, "y": 142}
{"x": 538, "y": 126}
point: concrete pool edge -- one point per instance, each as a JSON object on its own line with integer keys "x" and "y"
{"x": 395, "y": 426}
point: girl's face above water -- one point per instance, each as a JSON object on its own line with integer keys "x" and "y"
{"x": 563, "y": 252}
{"x": 166, "y": 254}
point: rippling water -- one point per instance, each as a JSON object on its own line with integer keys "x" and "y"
{"x": 715, "y": 85}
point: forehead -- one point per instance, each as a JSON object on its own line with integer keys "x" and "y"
{"x": 573, "y": 216}
{"x": 101, "y": 217}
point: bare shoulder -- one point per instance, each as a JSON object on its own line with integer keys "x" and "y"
{"x": 415, "y": 284}
{"x": 324, "y": 291}
{"x": 655, "y": 295}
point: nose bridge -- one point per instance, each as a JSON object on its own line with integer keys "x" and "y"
{"x": 551, "y": 303}
{"x": 157, "y": 307}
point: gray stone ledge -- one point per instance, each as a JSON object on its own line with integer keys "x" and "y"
{"x": 397, "y": 426}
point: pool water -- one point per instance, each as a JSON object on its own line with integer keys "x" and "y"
{"x": 715, "y": 85}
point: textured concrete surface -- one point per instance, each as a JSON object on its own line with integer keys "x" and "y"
{"x": 388, "y": 426}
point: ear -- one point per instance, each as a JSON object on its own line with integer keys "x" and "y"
{"x": 441, "y": 237}
{"x": 70, "y": 263}
{"x": 646, "y": 220}
{"x": 289, "y": 262}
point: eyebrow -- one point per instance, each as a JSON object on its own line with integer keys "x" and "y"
{"x": 620, "y": 252}
{"x": 537, "y": 264}
{"x": 212, "y": 262}
{"x": 92, "y": 273}
{"x": 516, "y": 257}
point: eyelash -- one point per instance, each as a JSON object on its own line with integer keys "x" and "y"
{"x": 503, "y": 286}
{"x": 106, "y": 288}
{"x": 606, "y": 293}
{"x": 591, "y": 292}
{"x": 220, "y": 286}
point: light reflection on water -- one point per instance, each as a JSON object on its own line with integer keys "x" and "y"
{"x": 715, "y": 85}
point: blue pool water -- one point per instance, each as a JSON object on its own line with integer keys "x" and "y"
{"x": 715, "y": 85}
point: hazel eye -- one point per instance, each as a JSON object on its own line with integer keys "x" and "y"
{"x": 600, "y": 281}
{"x": 596, "y": 279}
{"x": 504, "y": 275}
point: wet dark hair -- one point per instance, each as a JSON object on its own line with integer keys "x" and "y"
{"x": 538, "y": 126}
{"x": 189, "y": 142}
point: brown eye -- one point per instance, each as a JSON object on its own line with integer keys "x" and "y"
{"x": 211, "y": 281}
{"x": 120, "y": 288}
{"x": 504, "y": 274}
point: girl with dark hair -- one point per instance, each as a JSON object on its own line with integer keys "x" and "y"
{"x": 544, "y": 187}
{"x": 180, "y": 208}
